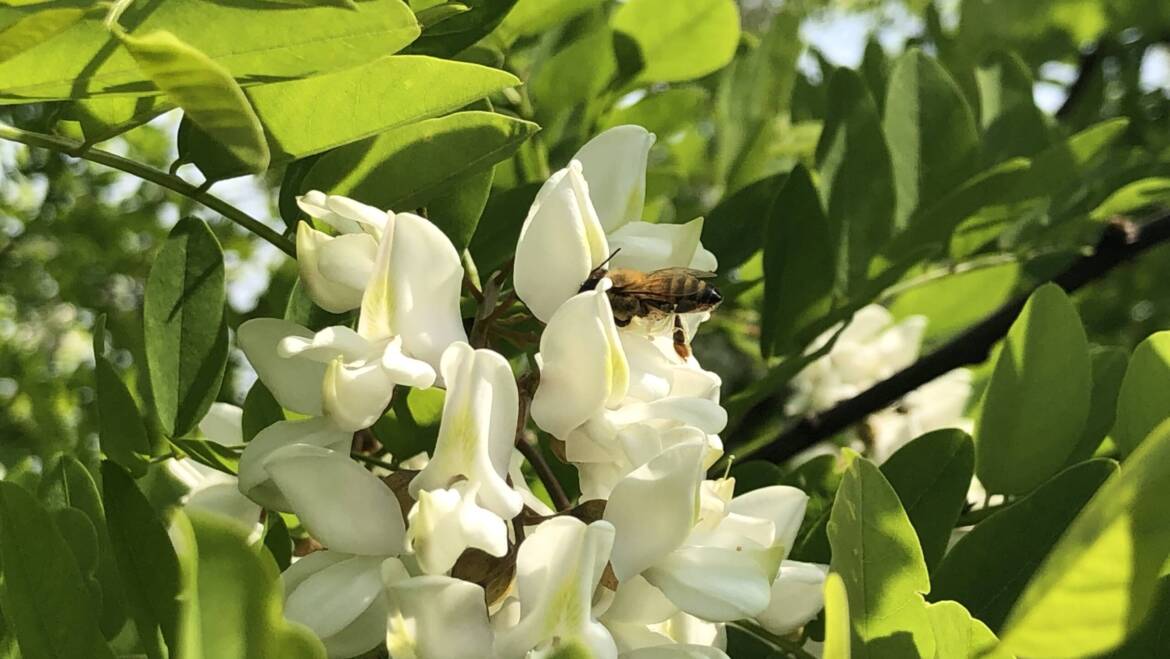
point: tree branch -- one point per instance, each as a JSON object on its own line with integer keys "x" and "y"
{"x": 1120, "y": 242}
{"x": 1090, "y": 63}
{"x": 531, "y": 451}
{"x": 145, "y": 172}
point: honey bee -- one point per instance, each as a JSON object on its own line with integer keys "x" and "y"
{"x": 657, "y": 296}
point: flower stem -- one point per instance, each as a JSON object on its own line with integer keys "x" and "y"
{"x": 531, "y": 452}
{"x": 372, "y": 461}
{"x": 145, "y": 172}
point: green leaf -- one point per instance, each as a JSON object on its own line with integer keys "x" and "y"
{"x": 1098, "y": 583}
{"x": 375, "y": 97}
{"x": 1150, "y": 639}
{"x": 798, "y": 263}
{"x": 260, "y": 411}
{"x": 42, "y": 590}
{"x": 533, "y": 17}
{"x": 206, "y": 91}
{"x": 988, "y": 567}
{"x": 107, "y": 116}
{"x": 277, "y": 541}
{"x": 1013, "y": 125}
{"x": 233, "y": 596}
{"x": 932, "y": 226}
{"x": 755, "y": 92}
{"x": 680, "y": 41}
{"x": 754, "y": 474}
{"x": 664, "y": 113}
{"x": 1144, "y": 398}
{"x": 121, "y": 430}
{"x": 877, "y": 555}
{"x": 210, "y": 454}
{"x": 1037, "y": 401}
{"x": 1066, "y": 163}
{"x": 258, "y": 41}
{"x": 185, "y": 333}
{"x": 955, "y": 301}
{"x": 875, "y": 69}
{"x": 410, "y": 167}
{"x": 69, "y": 485}
{"x": 577, "y": 74}
{"x": 412, "y": 426}
{"x": 931, "y": 475}
{"x": 1109, "y": 366}
{"x": 32, "y": 29}
{"x": 498, "y": 230}
{"x": 837, "y": 635}
{"x": 931, "y": 132}
{"x": 146, "y": 560}
{"x": 458, "y": 32}
{"x": 435, "y": 14}
{"x": 732, "y": 229}
{"x": 856, "y": 178}
{"x": 957, "y": 634}
{"x": 1136, "y": 196}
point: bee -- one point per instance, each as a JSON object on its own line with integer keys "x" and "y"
{"x": 657, "y": 296}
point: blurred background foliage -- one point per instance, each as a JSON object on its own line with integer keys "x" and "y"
{"x": 737, "y": 100}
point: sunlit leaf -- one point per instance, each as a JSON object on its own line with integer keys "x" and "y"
{"x": 1144, "y": 398}
{"x": 1037, "y": 402}
{"x": 32, "y": 29}
{"x": 988, "y": 567}
{"x": 186, "y": 338}
{"x": 43, "y": 590}
{"x": 838, "y": 638}
{"x": 679, "y": 41}
{"x": 1098, "y": 583}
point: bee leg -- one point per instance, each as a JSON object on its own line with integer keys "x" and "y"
{"x": 621, "y": 322}
{"x": 680, "y": 339}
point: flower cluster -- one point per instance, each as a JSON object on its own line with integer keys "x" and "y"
{"x": 459, "y": 558}
{"x": 871, "y": 348}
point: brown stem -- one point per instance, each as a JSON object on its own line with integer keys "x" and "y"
{"x": 1120, "y": 242}
{"x": 531, "y": 452}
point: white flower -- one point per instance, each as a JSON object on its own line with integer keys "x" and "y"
{"x": 584, "y": 213}
{"x": 935, "y": 405}
{"x": 255, "y": 482}
{"x": 614, "y": 165}
{"x": 477, "y": 432}
{"x": 870, "y": 348}
{"x": 341, "y": 598}
{"x": 560, "y": 243}
{"x": 335, "y": 269}
{"x": 210, "y": 489}
{"x": 437, "y": 617}
{"x": 583, "y": 369}
{"x": 342, "y": 505}
{"x": 443, "y": 523}
{"x": 798, "y": 595}
{"x": 557, "y": 570}
{"x": 410, "y": 314}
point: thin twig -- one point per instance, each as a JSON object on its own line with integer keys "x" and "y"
{"x": 372, "y": 461}
{"x": 156, "y": 176}
{"x": 1090, "y": 63}
{"x": 1120, "y": 242}
{"x": 531, "y": 452}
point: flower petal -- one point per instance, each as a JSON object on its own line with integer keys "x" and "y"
{"x": 653, "y": 509}
{"x": 329, "y": 600}
{"x": 331, "y": 294}
{"x": 648, "y": 246}
{"x": 226, "y": 500}
{"x": 315, "y": 431}
{"x": 341, "y": 504}
{"x": 583, "y": 367}
{"x": 781, "y": 504}
{"x": 717, "y": 584}
{"x": 443, "y": 523}
{"x": 560, "y": 243}
{"x": 557, "y": 569}
{"x": 675, "y": 652}
{"x": 614, "y": 164}
{"x": 414, "y": 291}
{"x": 295, "y": 383}
{"x": 798, "y": 595}
{"x": 355, "y": 397}
{"x": 223, "y": 424}
{"x": 437, "y": 617}
{"x": 478, "y": 429}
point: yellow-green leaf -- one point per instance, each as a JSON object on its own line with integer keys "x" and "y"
{"x": 837, "y": 638}
{"x": 206, "y": 91}
{"x": 1098, "y": 584}
{"x": 32, "y": 29}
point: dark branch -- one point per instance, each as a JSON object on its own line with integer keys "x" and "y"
{"x": 1121, "y": 242}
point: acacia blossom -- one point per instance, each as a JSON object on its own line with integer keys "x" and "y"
{"x": 450, "y": 554}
